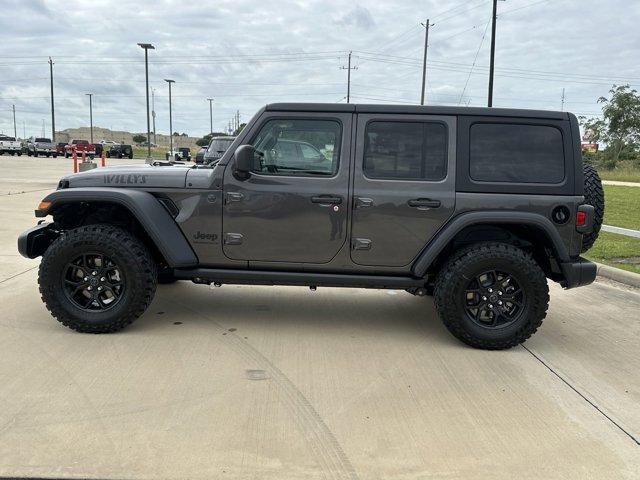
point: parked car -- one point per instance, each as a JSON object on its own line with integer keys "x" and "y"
{"x": 108, "y": 143}
{"x": 41, "y": 146}
{"x": 200, "y": 155}
{"x": 80, "y": 147}
{"x": 120, "y": 151}
{"x": 217, "y": 147}
{"x": 182, "y": 154}
{"x": 395, "y": 205}
{"x": 10, "y": 146}
{"x": 99, "y": 149}
{"x": 60, "y": 148}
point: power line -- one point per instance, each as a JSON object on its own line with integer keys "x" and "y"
{"x": 474, "y": 63}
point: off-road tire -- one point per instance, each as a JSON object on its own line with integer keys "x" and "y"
{"x": 451, "y": 283}
{"x": 131, "y": 256}
{"x": 594, "y": 196}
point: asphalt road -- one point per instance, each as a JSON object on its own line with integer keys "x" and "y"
{"x": 259, "y": 382}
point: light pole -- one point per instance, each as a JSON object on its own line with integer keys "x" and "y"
{"x": 153, "y": 113}
{"x": 493, "y": 53}
{"x": 210, "y": 115}
{"x": 147, "y": 47}
{"x": 170, "y": 120}
{"x": 90, "y": 95}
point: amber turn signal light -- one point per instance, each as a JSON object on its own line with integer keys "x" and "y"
{"x": 44, "y": 205}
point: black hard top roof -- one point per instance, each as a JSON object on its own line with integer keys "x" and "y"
{"x": 415, "y": 109}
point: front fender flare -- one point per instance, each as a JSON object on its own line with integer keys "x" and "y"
{"x": 154, "y": 218}
{"x": 458, "y": 223}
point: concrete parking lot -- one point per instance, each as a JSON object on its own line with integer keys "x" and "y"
{"x": 259, "y": 382}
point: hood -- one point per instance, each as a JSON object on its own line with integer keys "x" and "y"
{"x": 139, "y": 176}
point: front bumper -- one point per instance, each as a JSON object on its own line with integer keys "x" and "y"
{"x": 578, "y": 273}
{"x": 35, "y": 241}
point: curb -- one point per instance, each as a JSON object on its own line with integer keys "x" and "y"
{"x": 622, "y": 276}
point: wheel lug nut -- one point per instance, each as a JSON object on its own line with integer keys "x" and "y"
{"x": 499, "y": 292}
{"x": 490, "y": 306}
{"x": 499, "y": 302}
{"x": 102, "y": 279}
{"x": 490, "y": 290}
{"x": 86, "y": 278}
{"x": 484, "y": 299}
{"x": 99, "y": 289}
{"x": 94, "y": 273}
{"x": 89, "y": 288}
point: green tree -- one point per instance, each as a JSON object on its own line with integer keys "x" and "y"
{"x": 619, "y": 127}
{"x": 139, "y": 138}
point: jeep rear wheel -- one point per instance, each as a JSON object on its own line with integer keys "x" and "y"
{"x": 491, "y": 295}
{"x": 97, "y": 278}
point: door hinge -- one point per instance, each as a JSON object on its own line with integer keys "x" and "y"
{"x": 361, "y": 244}
{"x": 233, "y": 239}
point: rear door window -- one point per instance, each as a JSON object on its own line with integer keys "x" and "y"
{"x": 516, "y": 153}
{"x": 405, "y": 150}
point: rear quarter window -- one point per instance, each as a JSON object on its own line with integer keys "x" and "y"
{"x": 516, "y": 153}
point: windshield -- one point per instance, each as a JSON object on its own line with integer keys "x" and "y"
{"x": 8, "y": 139}
{"x": 43, "y": 140}
{"x": 218, "y": 146}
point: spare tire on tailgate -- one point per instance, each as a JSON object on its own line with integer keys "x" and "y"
{"x": 594, "y": 196}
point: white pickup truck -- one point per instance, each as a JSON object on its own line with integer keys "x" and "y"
{"x": 41, "y": 146}
{"x": 9, "y": 145}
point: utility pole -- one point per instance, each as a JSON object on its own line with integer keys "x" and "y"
{"x": 426, "y": 26}
{"x": 43, "y": 127}
{"x": 348, "y": 68}
{"x": 90, "y": 95}
{"x": 147, "y": 47}
{"x": 562, "y": 101}
{"x": 493, "y": 52}
{"x": 210, "y": 115}
{"x": 53, "y": 111}
{"x": 153, "y": 113}
{"x": 237, "y": 120}
{"x": 170, "y": 120}
{"x": 15, "y": 131}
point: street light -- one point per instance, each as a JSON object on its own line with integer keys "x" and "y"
{"x": 170, "y": 121}
{"x": 210, "y": 115}
{"x": 147, "y": 47}
{"x": 90, "y": 95}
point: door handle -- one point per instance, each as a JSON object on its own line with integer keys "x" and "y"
{"x": 362, "y": 202}
{"x": 233, "y": 197}
{"x": 326, "y": 199}
{"x": 423, "y": 203}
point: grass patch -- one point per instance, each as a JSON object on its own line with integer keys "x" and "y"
{"x": 622, "y": 206}
{"x": 625, "y": 172}
{"x": 617, "y": 251}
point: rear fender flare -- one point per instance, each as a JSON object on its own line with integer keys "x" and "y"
{"x": 154, "y": 218}
{"x": 458, "y": 223}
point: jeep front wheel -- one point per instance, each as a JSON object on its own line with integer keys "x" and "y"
{"x": 97, "y": 278}
{"x": 491, "y": 295}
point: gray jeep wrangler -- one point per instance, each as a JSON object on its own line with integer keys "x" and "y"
{"x": 477, "y": 207}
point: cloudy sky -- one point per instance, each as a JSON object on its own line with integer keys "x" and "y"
{"x": 246, "y": 53}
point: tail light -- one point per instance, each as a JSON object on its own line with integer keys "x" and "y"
{"x": 584, "y": 218}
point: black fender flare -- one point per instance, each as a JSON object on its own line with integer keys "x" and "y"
{"x": 458, "y": 223}
{"x": 152, "y": 215}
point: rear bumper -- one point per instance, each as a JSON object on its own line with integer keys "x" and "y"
{"x": 35, "y": 241}
{"x": 578, "y": 273}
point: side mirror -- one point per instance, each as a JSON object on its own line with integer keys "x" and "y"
{"x": 245, "y": 160}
